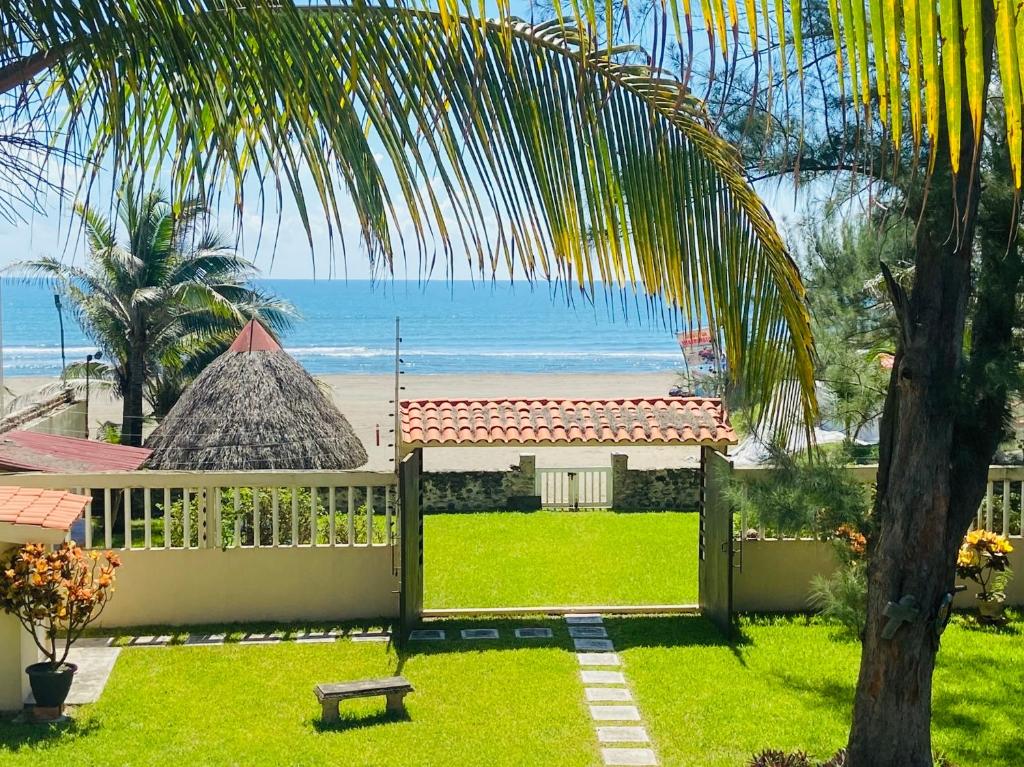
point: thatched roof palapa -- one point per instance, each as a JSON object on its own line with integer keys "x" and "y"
{"x": 254, "y": 407}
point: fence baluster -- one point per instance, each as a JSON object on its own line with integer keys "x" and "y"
{"x": 147, "y": 518}
{"x": 167, "y": 517}
{"x": 256, "y": 517}
{"x": 351, "y": 516}
{"x": 314, "y": 501}
{"x": 237, "y": 492}
{"x": 387, "y": 515}
{"x": 275, "y": 516}
{"x": 88, "y": 520}
{"x": 295, "y": 516}
{"x": 126, "y": 500}
{"x": 332, "y": 516}
{"x": 186, "y": 518}
{"x": 369, "y": 516}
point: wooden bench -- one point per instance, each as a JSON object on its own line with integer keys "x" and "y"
{"x": 394, "y": 688}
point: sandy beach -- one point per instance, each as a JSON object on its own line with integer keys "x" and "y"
{"x": 366, "y": 402}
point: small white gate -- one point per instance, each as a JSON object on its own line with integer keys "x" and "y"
{"x": 575, "y": 488}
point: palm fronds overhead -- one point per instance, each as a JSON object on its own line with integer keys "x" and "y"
{"x": 545, "y": 147}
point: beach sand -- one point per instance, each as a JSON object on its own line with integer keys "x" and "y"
{"x": 366, "y": 402}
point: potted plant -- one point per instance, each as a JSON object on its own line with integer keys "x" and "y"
{"x": 983, "y": 559}
{"x": 55, "y": 595}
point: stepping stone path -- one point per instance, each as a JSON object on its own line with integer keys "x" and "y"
{"x": 607, "y": 696}
{"x": 479, "y": 633}
{"x": 531, "y": 633}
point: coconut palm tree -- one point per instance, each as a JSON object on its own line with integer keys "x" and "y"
{"x": 161, "y": 301}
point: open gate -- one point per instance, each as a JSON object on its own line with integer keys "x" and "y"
{"x": 716, "y": 541}
{"x": 410, "y": 601}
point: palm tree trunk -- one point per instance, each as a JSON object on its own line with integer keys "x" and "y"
{"x": 928, "y": 488}
{"x": 131, "y": 412}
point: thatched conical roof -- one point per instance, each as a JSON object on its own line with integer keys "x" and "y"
{"x": 254, "y": 407}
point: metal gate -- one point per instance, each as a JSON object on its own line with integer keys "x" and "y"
{"x": 716, "y": 548}
{"x": 410, "y": 601}
{"x": 575, "y": 488}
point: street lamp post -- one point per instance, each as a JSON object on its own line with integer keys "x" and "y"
{"x": 88, "y": 361}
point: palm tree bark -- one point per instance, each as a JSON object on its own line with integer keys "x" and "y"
{"x": 131, "y": 412}
{"x": 929, "y": 481}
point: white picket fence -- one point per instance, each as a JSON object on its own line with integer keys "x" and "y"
{"x": 145, "y": 510}
{"x": 589, "y": 488}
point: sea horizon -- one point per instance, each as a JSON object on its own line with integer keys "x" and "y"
{"x": 447, "y": 326}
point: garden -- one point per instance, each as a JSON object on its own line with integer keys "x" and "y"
{"x": 784, "y": 682}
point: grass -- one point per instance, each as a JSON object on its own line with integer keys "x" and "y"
{"x": 559, "y": 558}
{"x": 495, "y": 703}
{"x": 789, "y": 684}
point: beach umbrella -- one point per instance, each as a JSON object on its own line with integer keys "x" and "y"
{"x": 254, "y": 407}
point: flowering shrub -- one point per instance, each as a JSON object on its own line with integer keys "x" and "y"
{"x": 56, "y": 592}
{"x": 983, "y": 559}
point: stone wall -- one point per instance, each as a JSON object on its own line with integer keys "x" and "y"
{"x": 514, "y": 489}
{"x": 653, "y": 489}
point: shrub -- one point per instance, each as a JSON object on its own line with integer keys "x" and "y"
{"x": 843, "y": 596}
{"x": 800, "y": 497}
{"x": 54, "y": 593}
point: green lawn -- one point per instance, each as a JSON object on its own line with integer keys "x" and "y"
{"x": 790, "y": 684}
{"x": 481, "y": 703}
{"x": 560, "y": 558}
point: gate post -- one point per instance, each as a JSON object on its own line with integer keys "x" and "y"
{"x": 410, "y": 532}
{"x": 715, "y": 544}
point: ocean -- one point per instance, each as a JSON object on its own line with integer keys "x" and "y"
{"x": 349, "y": 327}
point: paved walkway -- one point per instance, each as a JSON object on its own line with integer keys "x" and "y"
{"x": 617, "y": 721}
{"x": 94, "y": 667}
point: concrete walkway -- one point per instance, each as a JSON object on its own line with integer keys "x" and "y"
{"x": 94, "y": 667}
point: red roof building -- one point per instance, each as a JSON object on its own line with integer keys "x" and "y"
{"x": 548, "y": 422}
{"x": 32, "y": 451}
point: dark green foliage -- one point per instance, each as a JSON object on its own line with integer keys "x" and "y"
{"x": 799, "y": 497}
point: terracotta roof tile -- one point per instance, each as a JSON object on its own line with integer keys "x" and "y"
{"x": 656, "y": 421}
{"x": 55, "y": 509}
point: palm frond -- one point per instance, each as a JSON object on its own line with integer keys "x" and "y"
{"x": 531, "y": 147}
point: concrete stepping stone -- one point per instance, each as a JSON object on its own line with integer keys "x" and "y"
{"x": 479, "y": 633}
{"x": 602, "y": 677}
{"x": 204, "y": 639}
{"x": 615, "y": 713}
{"x": 151, "y": 641}
{"x": 427, "y": 635}
{"x": 588, "y": 632}
{"x": 598, "y": 659}
{"x": 630, "y": 757}
{"x": 257, "y": 637}
{"x": 534, "y": 633}
{"x": 369, "y": 636}
{"x": 622, "y": 735}
{"x": 591, "y": 645}
{"x": 583, "y": 618}
{"x": 608, "y": 695}
{"x": 91, "y": 642}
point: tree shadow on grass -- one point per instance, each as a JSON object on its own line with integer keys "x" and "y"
{"x": 625, "y": 632}
{"x": 16, "y": 733}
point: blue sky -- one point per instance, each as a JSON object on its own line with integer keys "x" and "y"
{"x": 54, "y": 233}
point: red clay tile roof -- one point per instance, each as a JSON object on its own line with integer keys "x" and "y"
{"x": 29, "y": 451}
{"x": 254, "y": 338}
{"x": 656, "y": 421}
{"x": 55, "y": 509}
